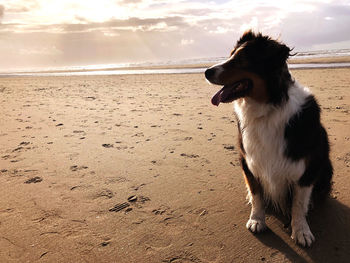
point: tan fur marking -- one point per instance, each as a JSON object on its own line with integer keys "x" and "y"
{"x": 232, "y": 73}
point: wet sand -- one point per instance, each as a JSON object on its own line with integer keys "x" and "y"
{"x": 142, "y": 168}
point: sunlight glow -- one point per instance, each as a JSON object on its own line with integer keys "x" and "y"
{"x": 83, "y": 11}
{"x": 71, "y": 32}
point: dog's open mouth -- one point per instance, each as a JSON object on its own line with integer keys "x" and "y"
{"x": 231, "y": 92}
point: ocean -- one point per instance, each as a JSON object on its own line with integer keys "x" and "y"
{"x": 196, "y": 65}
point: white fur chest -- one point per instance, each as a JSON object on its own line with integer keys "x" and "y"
{"x": 262, "y": 127}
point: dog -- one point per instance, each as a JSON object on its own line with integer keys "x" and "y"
{"x": 284, "y": 148}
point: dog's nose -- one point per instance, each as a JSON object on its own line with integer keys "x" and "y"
{"x": 209, "y": 73}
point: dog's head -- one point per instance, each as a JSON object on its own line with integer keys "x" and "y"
{"x": 256, "y": 68}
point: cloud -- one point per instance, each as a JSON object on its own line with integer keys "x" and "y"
{"x": 104, "y": 31}
{"x": 21, "y": 6}
{"x": 2, "y": 11}
{"x": 186, "y": 42}
{"x": 113, "y": 25}
{"x": 130, "y": 1}
{"x": 316, "y": 26}
{"x": 46, "y": 51}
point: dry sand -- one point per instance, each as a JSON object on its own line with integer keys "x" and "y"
{"x": 72, "y": 148}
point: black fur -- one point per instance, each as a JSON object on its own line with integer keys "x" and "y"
{"x": 305, "y": 136}
{"x": 268, "y": 59}
{"x": 307, "y": 139}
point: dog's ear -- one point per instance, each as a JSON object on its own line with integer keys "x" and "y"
{"x": 284, "y": 52}
{"x": 280, "y": 54}
{"x": 247, "y": 36}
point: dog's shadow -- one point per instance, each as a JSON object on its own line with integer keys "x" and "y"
{"x": 330, "y": 225}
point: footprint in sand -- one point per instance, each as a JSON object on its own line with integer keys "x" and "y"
{"x": 136, "y": 188}
{"x": 34, "y": 180}
{"x": 119, "y": 207}
{"x": 106, "y": 193}
{"x": 105, "y": 243}
{"x": 229, "y": 147}
{"x": 189, "y": 155}
{"x": 161, "y": 210}
{"x": 345, "y": 158}
{"x": 118, "y": 179}
{"x": 157, "y": 243}
{"x": 74, "y": 168}
{"x": 143, "y": 199}
{"x": 78, "y": 131}
{"x": 107, "y": 145}
{"x": 6, "y": 157}
{"x": 136, "y": 201}
{"x": 185, "y": 256}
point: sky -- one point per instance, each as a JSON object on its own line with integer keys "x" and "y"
{"x": 55, "y": 33}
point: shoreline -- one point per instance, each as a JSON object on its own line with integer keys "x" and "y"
{"x": 319, "y": 60}
{"x": 328, "y": 62}
{"x": 155, "y": 71}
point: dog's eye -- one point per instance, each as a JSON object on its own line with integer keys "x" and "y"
{"x": 240, "y": 59}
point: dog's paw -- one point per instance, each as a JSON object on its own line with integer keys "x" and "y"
{"x": 256, "y": 225}
{"x": 302, "y": 235}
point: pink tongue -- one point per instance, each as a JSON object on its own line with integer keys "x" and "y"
{"x": 225, "y": 92}
{"x": 217, "y": 98}
{"x": 221, "y": 95}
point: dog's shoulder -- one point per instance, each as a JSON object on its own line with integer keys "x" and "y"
{"x": 303, "y": 131}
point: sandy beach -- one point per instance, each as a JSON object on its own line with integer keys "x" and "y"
{"x": 142, "y": 168}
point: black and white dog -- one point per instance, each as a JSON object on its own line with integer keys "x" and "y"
{"x": 284, "y": 147}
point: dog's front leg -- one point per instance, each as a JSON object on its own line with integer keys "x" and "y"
{"x": 300, "y": 229}
{"x": 256, "y": 222}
